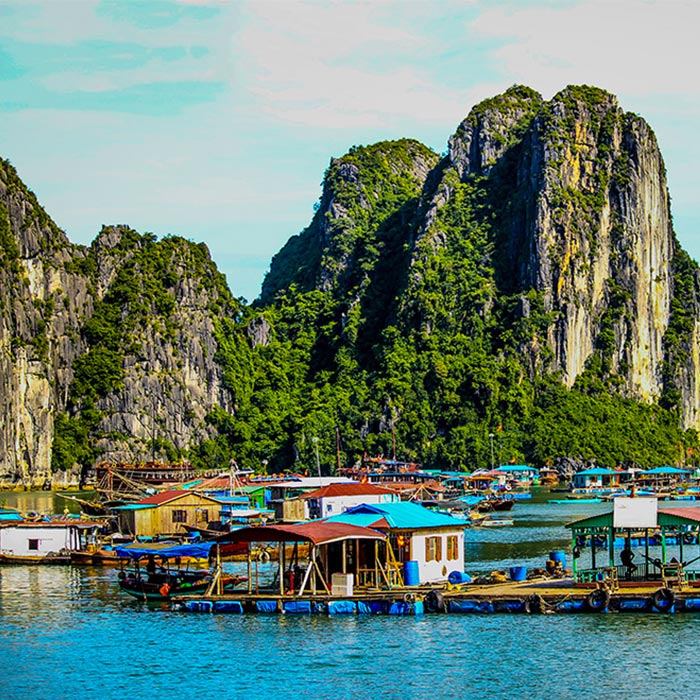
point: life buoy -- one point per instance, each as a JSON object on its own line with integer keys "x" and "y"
{"x": 598, "y": 600}
{"x": 434, "y": 601}
{"x": 663, "y": 599}
{"x": 688, "y": 537}
{"x": 164, "y": 590}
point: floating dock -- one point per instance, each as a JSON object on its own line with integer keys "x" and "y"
{"x": 528, "y": 597}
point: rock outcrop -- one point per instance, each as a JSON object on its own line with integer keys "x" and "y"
{"x": 61, "y": 307}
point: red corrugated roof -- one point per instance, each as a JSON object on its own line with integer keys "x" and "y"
{"x": 158, "y": 499}
{"x": 692, "y": 513}
{"x": 318, "y": 532}
{"x": 334, "y": 490}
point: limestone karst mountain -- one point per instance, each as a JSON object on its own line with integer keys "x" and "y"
{"x": 527, "y": 284}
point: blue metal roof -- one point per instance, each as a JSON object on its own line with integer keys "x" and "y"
{"x": 596, "y": 471}
{"x": 666, "y": 470}
{"x": 402, "y": 515}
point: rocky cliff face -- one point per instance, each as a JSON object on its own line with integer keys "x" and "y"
{"x": 164, "y": 296}
{"x": 583, "y": 217}
{"x": 43, "y": 300}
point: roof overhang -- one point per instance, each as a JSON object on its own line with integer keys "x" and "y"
{"x": 320, "y": 532}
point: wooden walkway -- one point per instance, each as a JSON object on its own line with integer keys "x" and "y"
{"x": 539, "y": 596}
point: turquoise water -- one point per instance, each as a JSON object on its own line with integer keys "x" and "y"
{"x": 68, "y": 633}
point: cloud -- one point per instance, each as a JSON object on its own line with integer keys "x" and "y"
{"x": 627, "y": 46}
{"x": 155, "y": 14}
{"x": 341, "y": 65}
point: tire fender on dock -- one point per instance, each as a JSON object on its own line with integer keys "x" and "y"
{"x": 663, "y": 599}
{"x": 434, "y": 601}
{"x": 598, "y": 600}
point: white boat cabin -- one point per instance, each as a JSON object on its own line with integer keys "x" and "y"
{"x": 39, "y": 539}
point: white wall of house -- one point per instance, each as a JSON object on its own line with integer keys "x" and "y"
{"x": 37, "y": 540}
{"x": 451, "y": 553}
{"x": 334, "y": 505}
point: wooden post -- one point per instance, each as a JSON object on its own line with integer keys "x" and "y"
{"x": 220, "y": 588}
{"x": 376, "y": 563}
{"x": 312, "y": 564}
{"x": 280, "y": 565}
{"x": 306, "y": 578}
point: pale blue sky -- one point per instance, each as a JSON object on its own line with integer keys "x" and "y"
{"x": 216, "y": 120}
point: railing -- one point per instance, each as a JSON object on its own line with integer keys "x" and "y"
{"x": 646, "y": 571}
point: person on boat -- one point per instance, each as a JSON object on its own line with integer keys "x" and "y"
{"x": 151, "y": 565}
{"x": 627, "y": 559}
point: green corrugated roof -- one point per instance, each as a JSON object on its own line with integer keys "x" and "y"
{"x": 401, "y": 516}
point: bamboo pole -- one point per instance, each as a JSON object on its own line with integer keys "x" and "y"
{"x": 281, "y": 557}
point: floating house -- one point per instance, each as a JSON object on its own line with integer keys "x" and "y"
{"x": 597, "y": 479}
{"x": 519, "y": 475}
{"x": 663, "y": 543}
{"x": 338, "y": 498}
{"x": 286, "y": 496}
{"x": 43, "y": 540}
{"x": 429, "y": 545}
{"x": 318, "y": 555}
{"x": 663, "y": 478}
{"x": 168, "y": 513}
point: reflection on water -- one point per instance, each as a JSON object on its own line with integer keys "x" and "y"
{"x": 69, "y": 633}
{"x": 43, "y": 501}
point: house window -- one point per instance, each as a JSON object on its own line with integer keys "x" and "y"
{"x": 452, "y": 547}
{"x": 433, "y": 548}
{"x": 33, "y": 545}
{"x": 179, "y": 516}
{"x": 202, "y": 515}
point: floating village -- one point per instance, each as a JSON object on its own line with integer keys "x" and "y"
{"x": 386, "y": 538}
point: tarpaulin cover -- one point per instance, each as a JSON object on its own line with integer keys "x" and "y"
{"x": 196, "y": 551}
{"x": 341, "y": 607}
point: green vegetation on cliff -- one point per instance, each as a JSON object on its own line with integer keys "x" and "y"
{"x": 411, "y": 315}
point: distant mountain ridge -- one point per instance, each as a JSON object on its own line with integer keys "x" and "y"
{"x": 523, "y": 295}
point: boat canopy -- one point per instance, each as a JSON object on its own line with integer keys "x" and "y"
{"x": 316, "y": 532}
{"x": 199, "y": 550}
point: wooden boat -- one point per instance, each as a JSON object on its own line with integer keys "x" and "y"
{"x": 496, "y": 522}
{"x": 158, "y": 582}
{"x": 161, "y": 586}
{"x": 51, "y": 558}
{"x": 95, "y": 556}
{"x": 495, "y": 504}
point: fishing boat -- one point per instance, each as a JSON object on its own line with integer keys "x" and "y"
{"x": 495, "y": 503}
{"x": 157, "y": 581}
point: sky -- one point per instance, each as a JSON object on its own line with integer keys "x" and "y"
{"x": 216, "y": 120}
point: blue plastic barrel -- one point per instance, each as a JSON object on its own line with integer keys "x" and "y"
{"x": 457, "y": 577}
{"x": 560, "y": 557}
{"x": 518, "y": 573}
{"x": 411, "y": 577}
